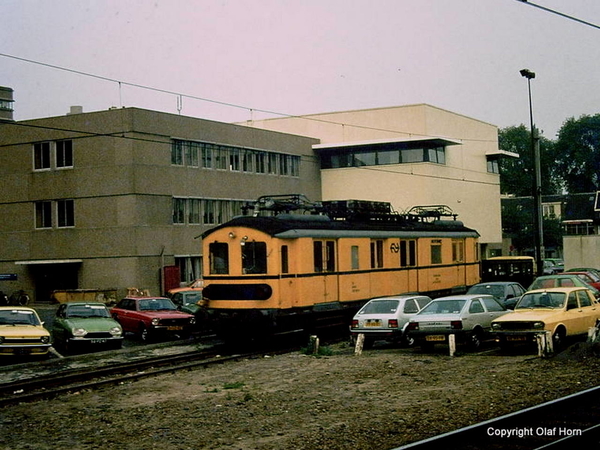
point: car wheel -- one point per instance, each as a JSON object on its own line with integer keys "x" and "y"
{"x": 475, "y": 340}
{"x": 144, "y": 334}
{"x": 558, "y": 339}
{"x": 408, "y": 341}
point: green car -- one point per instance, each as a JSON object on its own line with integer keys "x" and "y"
{"x": 86, "y": 326}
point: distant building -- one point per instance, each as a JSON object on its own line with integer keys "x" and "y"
{"x": 108, "y": 199}
{"x": 6, "y": 104}
{"x": 409, "y": 156}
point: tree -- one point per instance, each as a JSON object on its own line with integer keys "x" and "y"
{"x": 578, "y": 154}
{"x": 517, "y": 174}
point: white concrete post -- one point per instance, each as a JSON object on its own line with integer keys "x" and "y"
{"x": 452, "y": 344}
{"x": 360, "y": 342}
{"x": 313, "y": 344}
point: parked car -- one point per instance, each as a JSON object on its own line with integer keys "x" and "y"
{"x": 589, "y": 277}
{"x": 507, "y": 292}
{"x": 562, "y": 280}
{"x": 150, "y": 317}
{"x": 81, "y": 325}
{"x": 22, "y": 333}
{"x": 553, "y": 266}
{"x": 468, "y": 317}
{"x": 385, "y": 318}
{"x": 585, "y": 269}
{"x": 565, "y": 312}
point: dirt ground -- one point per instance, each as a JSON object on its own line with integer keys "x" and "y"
{"x": 384, "y": 398}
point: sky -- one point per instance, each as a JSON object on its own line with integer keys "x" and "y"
{"x": 237, "y": 60}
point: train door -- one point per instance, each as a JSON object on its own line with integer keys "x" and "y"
{"x": 458, "y": 259}
{"x": 408, "y": 261}
{"x": 325, "y": 256}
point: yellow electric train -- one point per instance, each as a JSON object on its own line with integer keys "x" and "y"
{"x": 295, "y": 265}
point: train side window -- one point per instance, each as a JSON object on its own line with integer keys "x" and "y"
{"x": 354, "y": 256}
{"x": 436, "y": 251}
{"x": 219, "y": 257}
{"x": 376, "y": 254}
{"x": 458, "y": 250}
{"x": 254, "y": 257}
{"x": 324, "y": 256}
{"x": 408, "y": 253}
{"x": 285, "y": 268}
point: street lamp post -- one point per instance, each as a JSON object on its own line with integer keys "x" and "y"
{"x": 537, "y": 182}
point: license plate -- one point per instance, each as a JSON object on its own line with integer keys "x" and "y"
{"x": 435, "y": 337}
{"x": 516, "y": 338}
{"x": 174, "y": 328}
{"x": 373, "y": 323}
{"x": 98, "y": 341}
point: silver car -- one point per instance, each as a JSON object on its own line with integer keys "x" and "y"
{"x": 385, "y": 318}
{"x": 468, "y": 317}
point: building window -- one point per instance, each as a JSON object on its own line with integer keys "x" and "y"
{"x": 247, "y": 160}
{"x": 393, "y": 153}
{"x": 234, "y": 159}
{"x": 190, "y": 268}
{"x": 178, "y": 210}
{"x": 493, "y": 166}
{"x": 194, "y": 207}
{"x": 272, "y": 161}
{"x": 220, "y": 158}
{"x": 41, "y": 155}
{"x": 436, "y": 251}
{"x": 284, "y": 165}
{"x": 65, "y": 213}
{"x": 177, "y": 152}
{"x": 207, "y": 156}
{"x": 295, "y": 166}
{"x": 64, "y": 154}
{"x": 578, "y": 228}
{"x": 43, "y": 214}
{"x": 261, "y": 164}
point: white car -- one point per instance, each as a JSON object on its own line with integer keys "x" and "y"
{"x": 468, "y": 317}
{"x": 385, "y": 318}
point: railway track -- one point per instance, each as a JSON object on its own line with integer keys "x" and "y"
{"x": 571, "y": 422}
{"x": 49, "y": 385}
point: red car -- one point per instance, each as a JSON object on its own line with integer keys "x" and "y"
{"x": 589, "y": 277}
{"x": 150, "y": 317}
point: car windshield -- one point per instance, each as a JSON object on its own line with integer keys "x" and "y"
{"x": 192, "y": 297}
{"x": 491, "y": 289}
{"x": 444, "y": 307}
{"x": 18, "y": 317}
{"x": 380, "y": 307}
{"x": 87, "y": 311}
{"x": 157, "y": 304}
{"x": 542, "y": 300}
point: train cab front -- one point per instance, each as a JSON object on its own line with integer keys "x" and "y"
{"x": 240, "y": 289}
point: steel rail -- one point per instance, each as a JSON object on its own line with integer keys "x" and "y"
{"x": 567, "y": 422}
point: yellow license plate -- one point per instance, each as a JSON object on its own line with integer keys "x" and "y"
{"x": 516, "y": 338}
{"x": 373, "y": 323}
{"x": 435, "y": 337}
{"x": 174, "y": 328}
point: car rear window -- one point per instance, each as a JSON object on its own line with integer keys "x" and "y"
{"x": 444, "y": 307}
{"x": 381, "y": 307}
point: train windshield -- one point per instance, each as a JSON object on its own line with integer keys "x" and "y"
{"x": 254, "y": 257}
{"x": 219, "y": 257}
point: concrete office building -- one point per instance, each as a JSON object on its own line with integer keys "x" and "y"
{"x": 105, "y": 200}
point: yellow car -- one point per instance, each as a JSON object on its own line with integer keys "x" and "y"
{"x": 22, "y": 332}
{"x": 565, "y": 312}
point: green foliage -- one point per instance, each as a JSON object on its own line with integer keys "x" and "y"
{"x": 517, "y": 174}
{"x": 323, "y": 351}
{"x": 578, "y": 154}
{"x": 235, "y": 385}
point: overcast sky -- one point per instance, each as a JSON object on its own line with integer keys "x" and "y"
{"x": 303, "y": 56}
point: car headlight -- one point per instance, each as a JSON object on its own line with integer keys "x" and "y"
{"x": 192, "y": 321}
{"x": 155, "y": 322}
{"x": 44, "y": 339}
{"x": 538, "y": 325}
{"x": 116, "y": 331}
{"x": 496, "y": 326}
{"x": 79, "y": 332}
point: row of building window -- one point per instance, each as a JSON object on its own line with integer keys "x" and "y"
{"x": 201, "y": 211}
{"x": 236, "y": 159}
{"x": 53, "y": 155}
{"x": 382, "y": 156}
{"x": 254, "y": 255}
{"x": 54, "y": 213}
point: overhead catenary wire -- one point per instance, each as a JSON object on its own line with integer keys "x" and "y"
{"x": 566, "y": 16}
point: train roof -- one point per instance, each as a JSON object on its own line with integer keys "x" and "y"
{"x": 290, "y": 226}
